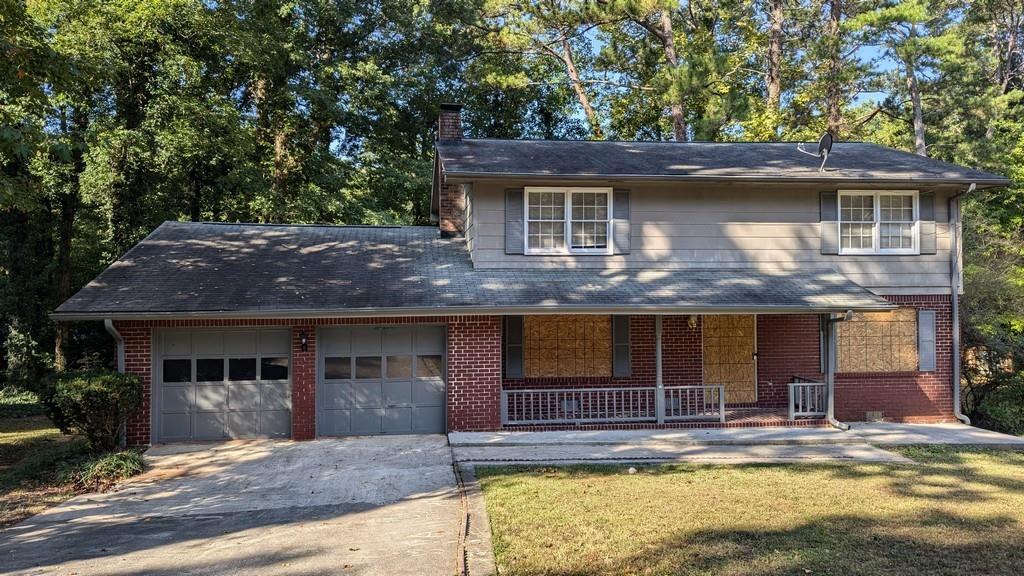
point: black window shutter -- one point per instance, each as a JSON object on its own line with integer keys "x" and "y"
{"x": 513, "y": 346}
{"x": 620, "y": 222}
{"x": 620, "y": 347}
{"x": 514, "y": 221}
{"x": 829, "y": 222}
{"x": 927, "y": 211}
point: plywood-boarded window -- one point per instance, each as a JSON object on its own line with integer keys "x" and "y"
{"x": 878, "y": 342}
{"x": 571, "y": 345}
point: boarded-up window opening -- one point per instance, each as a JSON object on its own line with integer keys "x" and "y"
{"x": 570, "y": 345}
{"x": 878, "y": 342}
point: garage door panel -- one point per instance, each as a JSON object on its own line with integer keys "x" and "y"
{"x": 397, "y": 421}
{"x": 275, "y": 343}
{"x": 243, "y": 396}
{"x": 397, "y": 393}
{"x": 275, "y": 396}
{"x": 175, "y": 426}
{"x": 240, "y": 343}
{"x": 177, "y": 344}
{"x": 428, "y": 419}
{"x": 209, "y": 343}
{"x": 209, "y": 425}
{"x": 430, "y": 339}
{"x": 428, "y": 392}
{"x": 335, "y": 422}
{"x": 275, "y": 423}
{"x": 336, "y": 342}
{"x": 366, "y": 394}
{"x": 335, "y": 395}
{"x": 366, "y": 420}
{"x": 211, "y": 397}
{"x": 243, "y": 424}
{"x": 396, "y": 341}
{"x": 175, "y": 398}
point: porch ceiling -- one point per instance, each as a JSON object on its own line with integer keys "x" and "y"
{"x": 252, "y": 271}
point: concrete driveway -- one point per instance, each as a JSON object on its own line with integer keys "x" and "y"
{"x": 383, "y": 505}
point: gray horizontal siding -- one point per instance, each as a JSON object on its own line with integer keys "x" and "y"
{"x": 722, "y": 227}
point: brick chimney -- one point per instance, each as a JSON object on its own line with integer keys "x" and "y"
{"x": 449, "y": 122}
{"x": 452, "y": 197}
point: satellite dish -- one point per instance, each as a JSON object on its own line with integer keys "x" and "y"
{"x": 824, "y": 149}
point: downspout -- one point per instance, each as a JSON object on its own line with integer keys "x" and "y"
{"x": 109, "y": 325}
{"x": 830, "y": 370}
{"x": 954, "y": 295}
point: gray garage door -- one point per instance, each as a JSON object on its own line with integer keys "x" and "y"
{"x": 381, "y": 380}
{"x": 214, "y": 384}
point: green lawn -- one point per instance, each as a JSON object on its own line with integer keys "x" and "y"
{"x": 955, "y": 512}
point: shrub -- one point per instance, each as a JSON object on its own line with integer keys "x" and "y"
{"x": 99, "y": 473}
{"x": 98, "y": 403}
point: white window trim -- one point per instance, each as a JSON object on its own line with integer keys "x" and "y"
{"x": 876, "y": 239}
{"x": 567, "y": 223}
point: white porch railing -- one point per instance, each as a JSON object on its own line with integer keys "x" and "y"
{"x": 807, "y": 398}
{"x": 610, "y": 405}
{"x": 695, "y": 403}
{"x": 578, "y": 405}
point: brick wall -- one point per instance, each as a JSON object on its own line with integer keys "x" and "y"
{"x": 474, "y": 373}
{"x": 303, "y": 383}
{"x": 138, "y": 360}
{"x": 787, "y": 345}
{"x": 905, "y": 396}
{"x": 452, "y": 210}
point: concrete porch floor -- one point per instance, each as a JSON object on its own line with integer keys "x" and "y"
{"x": 864, "y": 442}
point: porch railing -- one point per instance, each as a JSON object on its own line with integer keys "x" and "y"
{"x": 807, "y": 398}
{"x": 695, "y": 403}
{"x": 578, "y": 405}
{"x": 610, "y": 405}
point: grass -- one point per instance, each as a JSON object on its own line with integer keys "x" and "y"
{"x": 954, "y": 512}
{"x": 41, "y": 467}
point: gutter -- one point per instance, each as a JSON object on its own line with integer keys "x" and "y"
{"x": 954, "y": 294}
{"x": 109, "y": 325}
{"x": 462, "y": 311}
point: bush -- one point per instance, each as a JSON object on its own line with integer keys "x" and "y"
{"x": 99, "y": 473}
{"x": 97, "y": 404}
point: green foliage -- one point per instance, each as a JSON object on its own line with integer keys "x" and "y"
{"x": 97, "y": 404}
{"x": 101, "y": 472}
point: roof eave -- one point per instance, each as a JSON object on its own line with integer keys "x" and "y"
{"x": 470, "y": 310}
{"x": 459, "y": 176}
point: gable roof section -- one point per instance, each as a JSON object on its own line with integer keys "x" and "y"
{"x": 849, "y": 162}
{"x": 237, "y": 270}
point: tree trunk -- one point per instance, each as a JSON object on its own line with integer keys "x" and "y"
{"x": 581, "y": 93}
{"x": 775, "y": 55}
{"x": 833, "y": 90}
{"x": 915, "y": 99}
{"x": 668, "y": 42}
{"x": 68, "y": 202}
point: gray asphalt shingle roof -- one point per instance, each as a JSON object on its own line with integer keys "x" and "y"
{"x": 758, "y": 161}
{"x": 256, "y": 270}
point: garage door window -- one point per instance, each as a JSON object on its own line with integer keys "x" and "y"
{"x": 399, "y": 367}
{"x": 178, "y": 370}
{"x": 429, "y": 367}
{"x": 210, "y": 370}
{"x": 338, "y": 368}
{"x": 368, "y": 367}
{"x": 241, "y": 369}
{"x": 274, "y": 369}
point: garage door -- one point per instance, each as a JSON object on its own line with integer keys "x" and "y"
{"x": 381, "y": 380}
{"x": 215, "y": 384}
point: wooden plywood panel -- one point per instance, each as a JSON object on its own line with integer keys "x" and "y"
{"x": 878, "y": 342}
{"x": 569, "y": 345}
{"x": 729, "y": 345}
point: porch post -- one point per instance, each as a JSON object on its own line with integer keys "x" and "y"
{"x": 659, "y": 395}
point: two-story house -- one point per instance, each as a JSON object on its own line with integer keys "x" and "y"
{"x": 567, "y": 284}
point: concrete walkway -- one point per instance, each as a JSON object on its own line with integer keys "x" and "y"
{"x": 864, "y": 442}
{"x": 368, "y": 506}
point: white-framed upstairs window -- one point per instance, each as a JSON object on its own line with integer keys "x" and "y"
{"x": 878, "y": 222}
{"x": 568, "y": 220}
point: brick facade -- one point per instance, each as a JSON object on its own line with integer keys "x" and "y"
{"x": 788, "y": 346}
{"x": 452, "y": 210}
